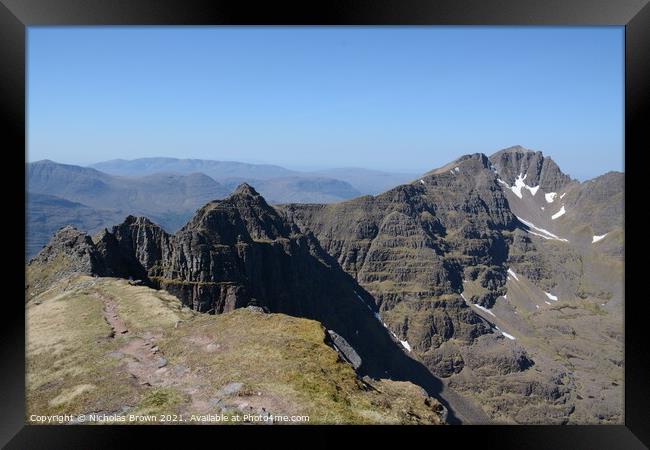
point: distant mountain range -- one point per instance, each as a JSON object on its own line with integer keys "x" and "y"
{"x": 363, "y": 181}
{"x": 170, "y": 190}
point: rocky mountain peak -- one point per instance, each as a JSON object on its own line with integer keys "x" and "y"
{"x": 66, "y": 241}
{"x": 137, "y": 220}
{"x": 474, "y": 162}
{"x": 478, "y": 160}
{"x": 243, "y": 216}
{"x": 480, "y": 157}
{"x": 245, "y": 189}
{"x": 517, "y": 149}
{"x": 518, "y": 162}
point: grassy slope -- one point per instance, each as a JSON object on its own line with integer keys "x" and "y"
{"x": 279, "y": 364}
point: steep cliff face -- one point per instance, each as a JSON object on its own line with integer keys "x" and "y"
{"x": 421, "y": 241}
{"x": 237, "y": 252}
{"x": 518, "y": 162}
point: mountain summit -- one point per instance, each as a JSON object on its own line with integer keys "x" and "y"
{"x": 517, "y": 162}
{"x": 245, "y": 189}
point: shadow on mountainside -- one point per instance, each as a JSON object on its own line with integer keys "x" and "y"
{"x": 332, "y": 297}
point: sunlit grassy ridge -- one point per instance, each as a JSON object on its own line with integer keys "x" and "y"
{"x": 243, "y": 361}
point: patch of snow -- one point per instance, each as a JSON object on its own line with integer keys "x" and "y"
{"x": 478, "y": 306}
{"x": 542, "y": 230}
{"x": 405, "y": 344}
{"x": 551, "y": 296}
{"x": 484, "y": 309}
{"x": 537, "y": 306}
{"x": 559, "y": 213}
{"x": 452, "y": 172}
{"x": 550, "y": 197}
{"x": 540, "y": 235}
{"x": 548, "y": 303}
{"x": 598, "y": 238}
{"x": 456, "y": 169}
{"x": 509, "y": 336}
{"x": 363, "y": 301}
{"x": 505, "y": 296}
{"x": 514, "y": 275}
{"x": 542, "y": 208}
{"x": 422, "y": 181}
{"x": 386, "y": 326}
{"x": 562, "y": 196}
{"x": 519, "y": 185}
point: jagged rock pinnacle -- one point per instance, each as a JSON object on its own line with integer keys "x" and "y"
{"x": 513, "y": 162}
{"x": 245, "y": 189}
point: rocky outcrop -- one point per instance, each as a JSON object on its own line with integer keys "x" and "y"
{"x": 344, "y": 349}
{"x": 77, "y": 247}
{"x": 514, "y": 162}
{"x": 69, "y": 251}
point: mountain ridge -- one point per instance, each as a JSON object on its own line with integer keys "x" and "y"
{"x": 363, "y": 180}
{"x": 454, "y": 268}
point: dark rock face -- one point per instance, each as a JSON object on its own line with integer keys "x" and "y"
{"x": 139, "y": 237}
{"x": 416, "y": 241}
{"x": 77, "y": 248}
{"x": 540, "y": 170}
{"x": 70, "y": 251}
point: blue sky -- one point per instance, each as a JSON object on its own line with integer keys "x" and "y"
{"x": 390, "y": 98}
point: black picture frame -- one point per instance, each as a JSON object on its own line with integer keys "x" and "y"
{"x": 16, "y": 15}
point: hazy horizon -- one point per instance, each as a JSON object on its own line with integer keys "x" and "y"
{"x": 394, "y": 99}
{"x": 314, "y": 168}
